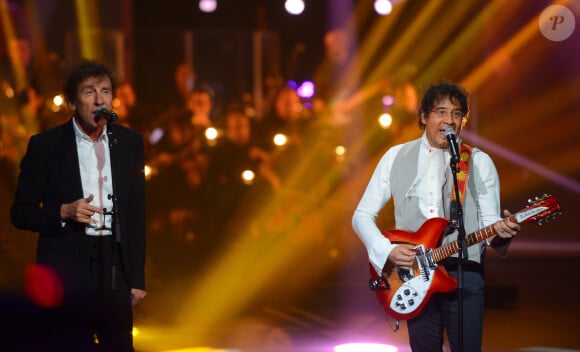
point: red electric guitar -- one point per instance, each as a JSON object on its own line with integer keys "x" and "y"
{"x": 403, "y": 293}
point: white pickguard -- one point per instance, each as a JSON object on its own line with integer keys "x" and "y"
{"x": 410, "y": 295}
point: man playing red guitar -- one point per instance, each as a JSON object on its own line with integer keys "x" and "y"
{"x": 417, "y": 176}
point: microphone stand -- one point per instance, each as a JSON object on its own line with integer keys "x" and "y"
{"x": 116, "y": 245}
{"x": 457, "y": 223}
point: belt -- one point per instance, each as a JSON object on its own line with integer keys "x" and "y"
{"x": 451, "y": 264}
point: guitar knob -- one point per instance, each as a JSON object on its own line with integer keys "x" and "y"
{"x": 411, "y": 302}
{"x": 407, "y": 292}
{"x": 399, "y": 297}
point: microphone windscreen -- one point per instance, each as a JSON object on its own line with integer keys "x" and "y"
{"x": 449, "y": 132}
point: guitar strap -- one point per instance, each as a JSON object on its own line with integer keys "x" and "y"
{"x": 463, "y": 174}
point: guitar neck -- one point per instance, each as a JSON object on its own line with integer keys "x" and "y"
{"x": 451, "y": 248}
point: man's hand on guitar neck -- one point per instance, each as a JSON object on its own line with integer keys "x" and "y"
{"x": 402, "y": 256}
{"x": 506, "y": 228}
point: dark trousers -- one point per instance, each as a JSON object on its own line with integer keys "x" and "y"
{"x": 96, "y": 313}
{"x": 99, "y": 324}
{"x": 441, "y": 314}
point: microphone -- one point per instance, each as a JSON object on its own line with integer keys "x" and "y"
{"x": 453, "y": 147}
{"x": 102, "y": 112}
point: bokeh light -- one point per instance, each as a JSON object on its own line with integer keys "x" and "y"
{"x": 43, "y": 286}
{"x": 294, "y": 7}
{"x": 306, "y": 89}
{"x": 280, "y": 139}
{"x": 208, "y": 6}
{"x": 383, "y": 7}
{"x": 385, "y": 120}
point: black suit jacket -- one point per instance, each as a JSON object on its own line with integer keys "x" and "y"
{"x": 50, "y": 176}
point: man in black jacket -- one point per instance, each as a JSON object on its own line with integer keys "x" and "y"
{"x": 82, "y": 188}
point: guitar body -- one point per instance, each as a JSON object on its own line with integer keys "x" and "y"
{"x": 415, "y": 290}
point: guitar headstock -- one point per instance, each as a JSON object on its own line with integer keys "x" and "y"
{"x": 540, "y": 210}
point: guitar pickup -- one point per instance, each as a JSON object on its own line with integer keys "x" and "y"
{"x": 425, "y": 262}
{"x": 430, "y": 261}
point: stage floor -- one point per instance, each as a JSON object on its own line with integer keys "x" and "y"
{"x": 532, "y": 305}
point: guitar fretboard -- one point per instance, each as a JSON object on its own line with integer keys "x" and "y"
{"x": 453, "y": 247}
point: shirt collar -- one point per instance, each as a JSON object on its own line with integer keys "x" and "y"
{"x": 426, "y": 146}
{"x": 80, "y": 135}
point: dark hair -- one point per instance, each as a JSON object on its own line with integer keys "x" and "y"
{"x": 437, "y": 92}
{"x": 79, "y": 73}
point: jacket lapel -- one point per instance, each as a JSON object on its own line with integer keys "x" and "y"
{"x": 71, "y": 174}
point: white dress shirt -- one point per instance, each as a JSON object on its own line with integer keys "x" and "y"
{"x": 95, "y": 169}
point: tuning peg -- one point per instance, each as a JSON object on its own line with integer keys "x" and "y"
{"x": 530, "y": 201}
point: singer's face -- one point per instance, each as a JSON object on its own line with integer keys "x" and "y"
{"x": 444, "y": 114}
{"x": 91, "y": 93}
